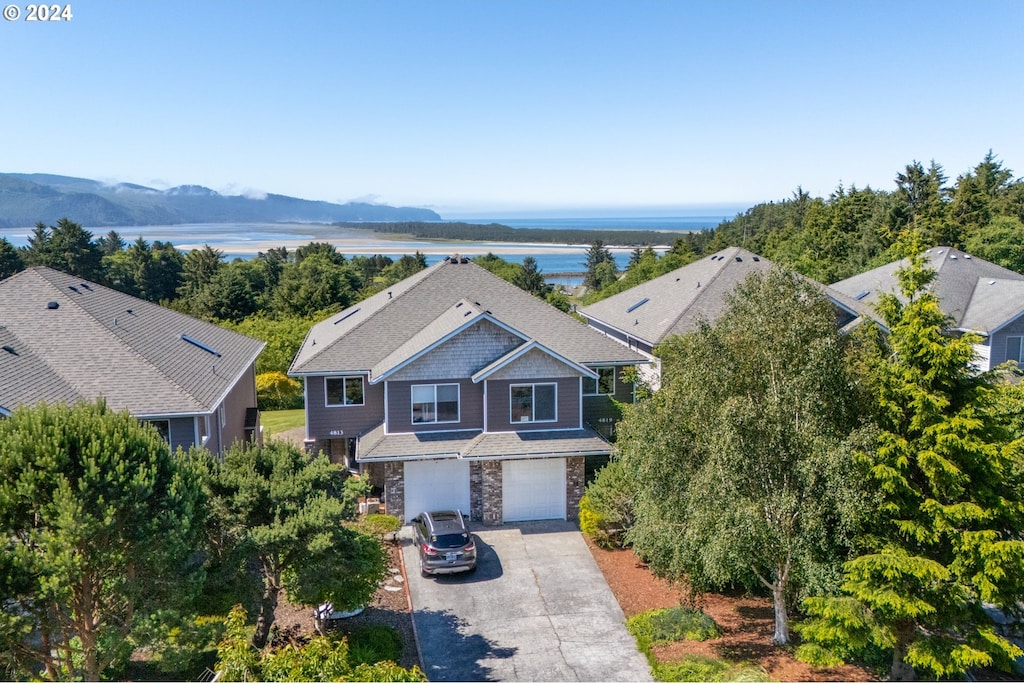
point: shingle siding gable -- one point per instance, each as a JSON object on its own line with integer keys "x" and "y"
{"x": 461, "y": 355}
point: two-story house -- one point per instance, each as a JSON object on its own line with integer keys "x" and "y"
{"x": 65, "y": 340}
{"x": 977, "y": 295}
{"x": 457, "y": 389}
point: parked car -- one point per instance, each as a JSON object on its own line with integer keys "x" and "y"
{"x": 446, "y": 545}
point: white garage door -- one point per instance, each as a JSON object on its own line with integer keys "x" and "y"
{"x": 533, "y": 489}
{"x": 436, "y": 485}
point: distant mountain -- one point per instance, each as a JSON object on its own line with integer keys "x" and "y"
{"x": 28, "y": 198}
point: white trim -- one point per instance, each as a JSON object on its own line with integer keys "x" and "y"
{"x": 458, "y": 403}
{"x": 386, "y": 406}
{"x": 433, "y": 345}
{"x": 438, "y": 431}
{"x": 305, "y": 403}
{"x": 1012, "y": 319}
{"x": 486, "y": 407}
{"x": 344, "y": 391}
{"x": 519, "y": 351}
{"x": 530, "y": 431}
{"x": 533, "y": 403}
{"x": 581, "y": 403}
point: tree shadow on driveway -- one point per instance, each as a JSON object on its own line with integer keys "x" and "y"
{"x": 449, "y": 655}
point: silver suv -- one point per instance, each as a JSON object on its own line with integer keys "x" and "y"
{"x": 444, "y": 542}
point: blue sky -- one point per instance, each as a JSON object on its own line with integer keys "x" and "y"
{"x": 502, "y": 108}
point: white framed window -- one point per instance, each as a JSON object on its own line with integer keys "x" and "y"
{"x": 203, "y": 422}
{"x": 533, "y": 403}
{"x": 1015, "y": 349}
{"x": 435, "y": 403}
{"x": 343, "y": 391}
{"x": 604, "y": 385}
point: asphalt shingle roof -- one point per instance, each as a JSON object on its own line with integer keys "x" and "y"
{"x": 677, "y": 302}
{"x": 376, "y": 445}
{"x": 100, "y": 342}
{"x": 359, "y": 338}
{"x": 976, "y": 294}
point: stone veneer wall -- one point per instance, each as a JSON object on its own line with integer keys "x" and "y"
{"x": 492, "y": 509}
{"x": 575, "y": 485}
{"x": 476, "y": 491}
{"x": 394, "y": 489}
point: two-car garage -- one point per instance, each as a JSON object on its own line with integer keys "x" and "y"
{"x": 531, "y": 489}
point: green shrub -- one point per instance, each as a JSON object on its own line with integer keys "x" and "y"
{"x": 277, "y": 391}
{"x": 379, "y": 525}
{"x": 606, "y": 510}
{"x": 707, "y": 669}
{"x": 372, "y": 644}
{"x": 670, "y": 624}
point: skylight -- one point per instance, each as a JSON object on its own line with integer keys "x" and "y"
{"x": 346, "y": 316}
{"x": 200, "y": 344}
{"x": 637, "y": 305}
{"x": 862, "y": 295}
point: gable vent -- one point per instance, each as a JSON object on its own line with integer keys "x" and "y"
{"x": 200, "y": 344}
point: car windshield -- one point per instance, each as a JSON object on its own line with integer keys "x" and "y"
{"x": 449, "y": 540}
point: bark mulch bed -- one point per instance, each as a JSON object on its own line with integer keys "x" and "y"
{"x": 747, "y": 622}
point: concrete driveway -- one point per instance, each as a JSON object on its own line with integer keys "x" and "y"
{"x": 536, "y": 609}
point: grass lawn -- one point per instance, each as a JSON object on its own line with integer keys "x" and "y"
{"x": 277, "y": 421}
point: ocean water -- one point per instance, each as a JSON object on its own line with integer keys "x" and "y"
{"x": 245, "y": 240}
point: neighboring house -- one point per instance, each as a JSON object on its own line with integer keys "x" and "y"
{"x": 456, "y": 389}
{"x": 64, "y": 340}
{"x": 644, "y": 316}
{"x": 977, "y": 295}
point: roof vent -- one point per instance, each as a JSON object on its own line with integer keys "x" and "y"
{"x": 129, "y": 311}
{"x": 677, "y": 279}
{"x": 637, "y": 321}
{"x": 85, "y": 286}
{"x": 953, "y": 256}
{"x": 464, "y": 259}
{"x": 52, "y": 305}
{"x": 757, "y": 258}
{"x": 389, "y": 293}
{"x": 74, "y": 289}
{"x": 698, "y": 284}
{"x": 10, "y": 350}
{"x": 738, "y": 259}
{"x": 637, "y": 305}
{"x": 200, "y": 344}
{"x": 991, "y": 282}
{"x": 967, "y": 256}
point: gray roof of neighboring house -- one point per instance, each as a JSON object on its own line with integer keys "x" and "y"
{"x": 476, "y": 445}
{"x": 420, "y": 310}
{"x": 98, "y": 342}
{"x": 676, "y": 302}
{"x": 976, "y": 294}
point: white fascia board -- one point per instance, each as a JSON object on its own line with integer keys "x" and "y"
{"x": 517, "y": 353}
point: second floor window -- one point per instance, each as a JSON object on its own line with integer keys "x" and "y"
{"x": 533, "y": 403}
{"x": 604, "y": 384}
{"x": 344, "y": 391}
{"x": 435, "y": 403}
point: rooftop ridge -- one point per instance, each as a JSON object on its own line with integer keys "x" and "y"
{"x": 42, "y": 271}
{"x": 715, "y": 275}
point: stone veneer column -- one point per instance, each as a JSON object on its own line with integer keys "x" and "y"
{"x": 575, "y": 485}
{"x": 394, "y": 489}
{"x": 476, "y": 491}
{"x": 492, "y": 513}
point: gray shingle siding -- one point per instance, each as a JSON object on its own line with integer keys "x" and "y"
{"x": 461, "y": 355}
{"x": 567, "y": 405}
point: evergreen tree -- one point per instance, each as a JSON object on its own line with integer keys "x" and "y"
{"x": 283, "y": 511}
{"x": 10, "y": 259}
{"x": 528, "y": 277}
{"x": 945, "y": 543}
{"x": 99, "y": 521}
{"x": 600, "y": 265}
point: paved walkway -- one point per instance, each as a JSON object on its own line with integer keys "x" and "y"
{"x": 536, "y": 609}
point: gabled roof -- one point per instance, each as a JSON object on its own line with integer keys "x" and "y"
{"x": 392, "y": 325}
{"x": 976, "y": 294}
{"x": 521, "y": 351}
{"x": 77, "y": 340}
{"x": 676, "y": 302}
